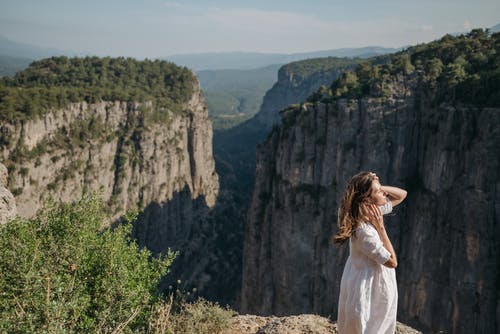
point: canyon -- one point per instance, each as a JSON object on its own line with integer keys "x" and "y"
{"x": 446, "y": 233}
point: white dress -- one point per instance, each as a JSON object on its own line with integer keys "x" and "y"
{"x": 368, "y": 291}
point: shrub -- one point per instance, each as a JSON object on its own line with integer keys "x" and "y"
{"x": 202, "y": 317}
{"x": 62, "y": 273}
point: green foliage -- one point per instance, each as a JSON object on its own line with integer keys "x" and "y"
{"x": 305, "y": 68}
{"x": 233, "y": 96}
{"x": 62, "y": 274}
{"x": 464, "y": 68}
{"x": 402, "y": 64}
{"x": 58, "y": 81}
{"x": 230, "y": 108}
{"x": 454, "y": 69}
{"x": 434, "y": 69}
{"x": 347, "y": 85}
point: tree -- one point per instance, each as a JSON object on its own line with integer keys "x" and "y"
{"x": 434, "y": 68}
{"x": 402, "y": 63}
{"x": 455, "y": 72}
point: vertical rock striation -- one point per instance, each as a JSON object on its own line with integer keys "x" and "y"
{"x": 7, "y": 201}
{"x": 446, "y": 234}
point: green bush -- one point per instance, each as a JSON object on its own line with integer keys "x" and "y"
{"x": 61, "y": 273}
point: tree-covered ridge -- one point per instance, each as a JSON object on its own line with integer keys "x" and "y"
{"x": 57, "y": 81}
{"x": 305, "y": 68}
{"x": 464, "y": 68}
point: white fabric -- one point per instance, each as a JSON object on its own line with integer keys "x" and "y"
{"x": 368, "y": 291}
{"x": 386, "y": 208}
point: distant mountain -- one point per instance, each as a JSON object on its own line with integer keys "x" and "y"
{"x": 251, "y": 60}
{"x": 23, "y": 50}
{"x": 10, "y": 65}
{"x": 495, "y": 28}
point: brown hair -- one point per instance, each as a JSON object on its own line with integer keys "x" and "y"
{"x": 351, "y": 211}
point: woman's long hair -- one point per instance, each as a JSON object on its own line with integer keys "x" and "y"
{"x": 352, "y": 210}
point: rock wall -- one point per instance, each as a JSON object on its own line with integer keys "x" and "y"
{"x": 446, "y": 233}
{"x": 136, "y": 157}
{"x": 294, "y": 87}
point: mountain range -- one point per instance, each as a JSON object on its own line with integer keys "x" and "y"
{"x": 201, "y": 61}
{"x": 251, "y": 60}
{"x": 208, "y": 60}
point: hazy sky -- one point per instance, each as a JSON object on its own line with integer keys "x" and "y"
{"x": 157, "y": 28}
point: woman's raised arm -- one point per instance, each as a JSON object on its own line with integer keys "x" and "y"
{"x": 396, "y": 195}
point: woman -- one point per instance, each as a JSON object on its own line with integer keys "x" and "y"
{"x": 368, "y": 292}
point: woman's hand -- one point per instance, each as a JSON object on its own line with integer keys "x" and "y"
{"x": 378, "y": 222}
{"x": 376, "y": 218}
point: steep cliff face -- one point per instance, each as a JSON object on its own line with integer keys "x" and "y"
{"x": 298, "y": 80}
{"x": 446, "y": 234}
{"x": 163, "y": 167}
{"x": 7, "y": 202}
{"x": 131, "y": 163}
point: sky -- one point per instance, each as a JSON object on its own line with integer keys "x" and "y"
{"x": 159, "y": 28}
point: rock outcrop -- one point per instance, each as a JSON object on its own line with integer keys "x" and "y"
{"x": 296, "y": 81}
{"x": 446, "y": 233}
{"x": 7, "y": 202}
{"x": 300, "y": 324}
{"x": 130, "y": 162}
{"x": 136, "y": 157}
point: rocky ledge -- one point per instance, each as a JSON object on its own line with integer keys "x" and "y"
{"x": 299, "y": 324}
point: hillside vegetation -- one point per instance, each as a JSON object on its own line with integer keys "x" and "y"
{"x": 55, "y": 82}
{"x": 62, "y": 273}
{"x": 464, "y": 68}
{"x": 233, "y": 96}
{"x": 306, "y": 68}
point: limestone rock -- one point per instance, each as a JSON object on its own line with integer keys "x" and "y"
{"x": 294, "y": 87}
{"x": 446, "y": 156}
{"x": 3, "y": 176}
{"x": 136, "y": 157}
{"x": 7, "y": 201}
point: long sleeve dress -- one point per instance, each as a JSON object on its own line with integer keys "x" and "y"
{"x": 368, "y": 291}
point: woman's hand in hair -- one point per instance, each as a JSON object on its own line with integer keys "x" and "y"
{"x": 376, "y": 218}
{"x": 378, "y": 222}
